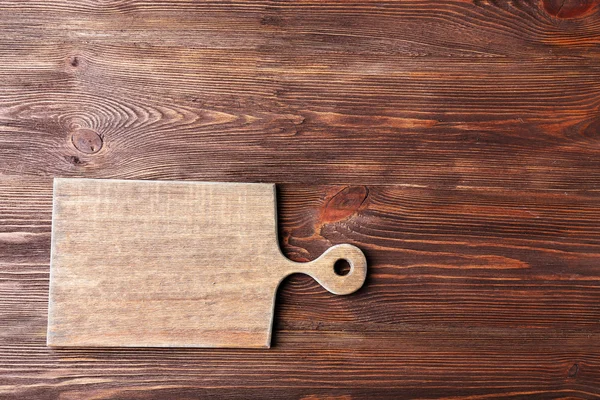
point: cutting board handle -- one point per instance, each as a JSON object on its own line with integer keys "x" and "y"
{"x": 323, "y": 269}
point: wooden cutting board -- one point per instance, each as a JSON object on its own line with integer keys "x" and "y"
{"x": 183, "y": 264}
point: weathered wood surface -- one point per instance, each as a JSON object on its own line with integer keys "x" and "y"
{"x": 455, "y": 142}
{"x": 184, "y": 264}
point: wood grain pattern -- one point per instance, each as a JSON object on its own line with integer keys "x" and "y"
{"x": 183, "y": 264}
{"x": 455, "y": 141}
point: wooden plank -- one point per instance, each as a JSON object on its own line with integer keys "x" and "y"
{"x": 183, "y": 264}
{"x": 489, "y": 293}
{"x": 451, "y": 94}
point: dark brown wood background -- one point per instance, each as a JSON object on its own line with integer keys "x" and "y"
{"x": 456, "y": 142}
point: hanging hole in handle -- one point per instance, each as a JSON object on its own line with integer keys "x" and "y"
{"x": 342, "y": 267}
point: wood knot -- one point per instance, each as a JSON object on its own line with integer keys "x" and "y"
{"x": 86, "y": 140}
{"x": 573, "y": 371}
{"x": 343, "y": 204}
{"x": 569, "y": 8}
{"x": 592, "y": 130}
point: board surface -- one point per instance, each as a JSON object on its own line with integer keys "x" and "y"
{"x": 182, "y": 264}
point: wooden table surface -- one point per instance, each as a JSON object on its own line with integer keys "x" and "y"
{"x": 456, "y": 142}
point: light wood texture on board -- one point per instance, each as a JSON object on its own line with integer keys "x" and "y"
{"x": 183, "y": 264}
{"x": 454, "y": 141}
